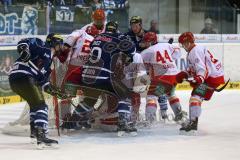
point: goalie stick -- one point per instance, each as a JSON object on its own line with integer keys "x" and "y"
{"x": 211, "y": 88}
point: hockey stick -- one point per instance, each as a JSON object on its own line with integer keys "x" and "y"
{"x": 211, "y": 88}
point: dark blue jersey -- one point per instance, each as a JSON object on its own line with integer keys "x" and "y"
{"x": 105, "y": 49}
{"x": 40, "y": 58}
{"x": 136, "y": 40}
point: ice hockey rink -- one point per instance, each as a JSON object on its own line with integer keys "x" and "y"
{"x": 219, "y": 137}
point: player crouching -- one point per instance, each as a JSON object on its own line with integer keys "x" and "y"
{"x": 206, "y": 71}
{"x": 160, "y": 61}
{"x": 30, "y": 76}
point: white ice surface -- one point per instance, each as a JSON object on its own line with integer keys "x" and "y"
{"x": 218, "y": 139}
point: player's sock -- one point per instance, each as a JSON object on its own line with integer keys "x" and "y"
{"x": 32, "y": 115}
{"x": 163, "y": 114}
{"x": 41, "y": 117}
{"x": 195, "y": 112}
{"x": 176, "y": 108}
{"x": 124, "y": 118}
{"x": 151, "y": 109}
{"x": 162, "y": 100}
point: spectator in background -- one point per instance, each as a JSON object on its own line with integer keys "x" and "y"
{"x": 80, "y": 3}
{"x": 109, "y": 4}
{"x": 7, "y": 64}
{"x": 154, "y": 27}
{"x": 208, "y": 27}
{"x": 96, "y": 4}
{"x": 6, "y": 4}
{"x": 121, "y": 3}
{"x": 60, "y": 2}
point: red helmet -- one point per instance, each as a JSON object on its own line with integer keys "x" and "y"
{"x": 186, "y": 37}
{"x": 92, "y": 30}
{"x": 150, "y": 37}
{"x": 98, "y": 15}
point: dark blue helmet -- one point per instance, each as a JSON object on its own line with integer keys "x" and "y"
{"x": 112, "y": 27}
{"x": 53, "y": 39}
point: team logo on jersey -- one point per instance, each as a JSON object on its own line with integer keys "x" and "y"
{"x": 46, "y": 55}
{"x": 125, "y": 45}
{"x": 110, "y": 47}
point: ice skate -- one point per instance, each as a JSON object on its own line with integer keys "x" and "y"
{"x": 124, "y": 129}
{"x": 181, "y": 117}
{"x": 76, "y": 121}
{"x": 164, "y": 116}
{"x": 125, "y": 126}
{"x": 190, "y": 128}
{"x": 43, "y": 141}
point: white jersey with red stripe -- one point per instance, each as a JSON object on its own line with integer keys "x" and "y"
{"x": 161, "y": 57}
{"x": 91, "y": 24}
{"x": 201, "y": 62}
{"x": 80, "y": 41}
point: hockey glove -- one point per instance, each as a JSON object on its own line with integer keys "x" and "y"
{"x": 181, "y": 76}
{"x": 197, "y": 80}
{"x": 54, "y": 91}
{"x": 24, "y": 52}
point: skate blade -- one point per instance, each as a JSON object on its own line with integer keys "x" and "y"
{"x": 133, "y": 134}
{"x": 123, "y": 133}
{"x": 43, "y": 146}
{"x": 189, "y": 133}
{"x": 33, "y": 140}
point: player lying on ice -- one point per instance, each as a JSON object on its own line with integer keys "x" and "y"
{"x": 205, "y": 69}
